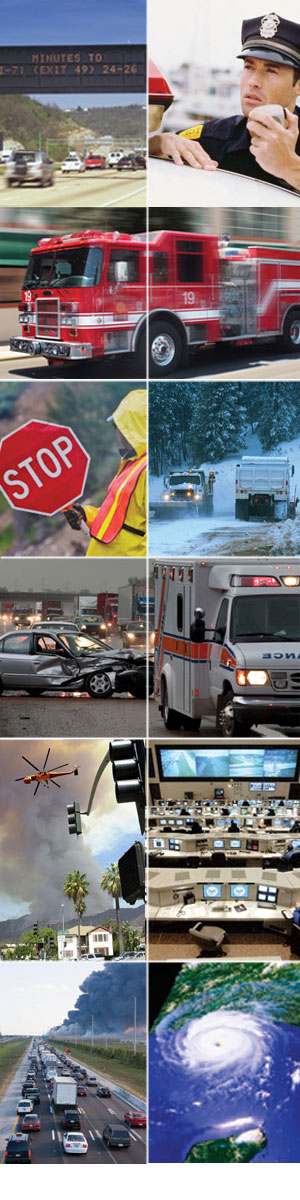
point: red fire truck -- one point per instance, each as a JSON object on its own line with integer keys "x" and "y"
{"x": 84, "y": 296}
{"x": 204, "y": 290}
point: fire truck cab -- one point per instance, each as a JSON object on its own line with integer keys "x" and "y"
{"x": 84, "y": 296}
{"x": 228, "y": 643}
{"x": 204, "y": 290}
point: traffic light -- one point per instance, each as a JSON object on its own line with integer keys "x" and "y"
{"x": 35, "y": 929}
{"x": 74, "y": 817}
{"x": 51, "y": 943}
{"x": 128, "y": 768}
{"x": 132, "y": 873}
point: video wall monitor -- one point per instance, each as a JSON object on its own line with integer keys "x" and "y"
{"x": 212, "y": 891}
{"x": 296, "y": 843}
{"x": 174, "y": 844}
{"x": 158, "y": 844}
{"x": 218, "y": 844}
{"x": 192, "y": 762}
{"x": 239, "y": 891}
{"x": 219, "y": 793}
{"x": 266, "y": 895}
{"x": 235, "y": 843}
{"x": 251, "y": 845}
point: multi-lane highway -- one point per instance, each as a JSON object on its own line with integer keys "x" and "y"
{"x": 108, "y": 188}
{"x": 95, "y": 1113}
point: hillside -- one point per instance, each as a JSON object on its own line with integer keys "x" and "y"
{"x": 28, "y": 123}
{"x": 11, "y": 930}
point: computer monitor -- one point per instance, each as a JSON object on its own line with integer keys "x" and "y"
{"x": 289, "y": 812}
{"x": 209, "y": 821}
{"x": 190, "y": 810}
{"x": 244, "y": 810}
{"x": 266, "y": 894}
{"x": 164, "y": 822}
{"x": 268, "y": 822}
{"x": 219, "y": 793}
{"x": 286, "y": 823}
{"x": 174, "y": 844}
{"x": 251, "y": 845}
{"x": 161, "y": 803}
{"x": 218, "y": 844}
{"x": 235, "y": 843}
{"x": 221, "y": 822}
{"x": 249, "y": 821}
{"x": 212, "y": 891}
{"x": 296, "y": 843}
{"x": 278, "y": 823}
{"x": 179, "y": 822}
{"x": 239, "y": 891}
{"x": 158, "y": 844}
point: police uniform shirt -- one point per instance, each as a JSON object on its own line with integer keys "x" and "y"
{"x": 228, "y": 142}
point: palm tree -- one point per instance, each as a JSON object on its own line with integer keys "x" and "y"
{"x": 111, "y": 883}
{"x": 76, "y": 887}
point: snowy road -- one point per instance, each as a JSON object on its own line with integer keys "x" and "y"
{"x": 223, "y": 535}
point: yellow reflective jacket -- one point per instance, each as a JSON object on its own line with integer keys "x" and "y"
{"x": 131, "y": 419}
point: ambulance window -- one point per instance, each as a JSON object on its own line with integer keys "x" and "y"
{"x": 123, "y": 266}
{"x": 180, "y": 612}
{"x": 160, "y": 268}
{"x": 221, "y": 623}
{"x": 189, "y": 262}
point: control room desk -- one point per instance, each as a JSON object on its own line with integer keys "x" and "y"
{"x": 218, "y": 914}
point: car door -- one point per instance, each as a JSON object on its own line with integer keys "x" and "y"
{"x": 219, "y": 664}
{"x": 53, "y": 665}
{"x": 15, "y": 660}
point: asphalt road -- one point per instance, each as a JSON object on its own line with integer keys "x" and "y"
{"x": 108, "y": 188}
{"x": 261, "y": 360}
{"x": 46, "y": 1145}
{"x": 208, "y": 728}
{"x": 120, "y": 366}
{"x": 65, "y": 716}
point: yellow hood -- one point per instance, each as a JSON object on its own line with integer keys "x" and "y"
{"x": 131, "y": 419}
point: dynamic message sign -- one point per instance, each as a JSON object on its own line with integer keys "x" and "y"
{"x": 33, "y": 69}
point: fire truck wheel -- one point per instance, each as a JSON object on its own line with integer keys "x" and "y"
{"x": 172, "y": 719}
{"x": 99, "y": 686}
{"x": 291, "y": 331}
{"x": 166, "y": 348}
{"x": 192, "y": 723}
{"x": 227, "y": 723}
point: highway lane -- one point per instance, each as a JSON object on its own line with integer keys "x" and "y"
{"x": 261, "y": 360}
{"x": 108, "y": 188}
{"x": 66, "y": 716}
{"x": 47, "y": 1144}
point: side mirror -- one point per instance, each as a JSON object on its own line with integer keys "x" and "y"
{"x": 292, "y": 471}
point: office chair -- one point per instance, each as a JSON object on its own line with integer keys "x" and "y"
{"x": 210, "y": 937}
{"x": 218, "y": 859}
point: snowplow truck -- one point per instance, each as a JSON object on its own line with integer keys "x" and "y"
{"x": 185, "y": 492}
{"x": 263, "y": 489}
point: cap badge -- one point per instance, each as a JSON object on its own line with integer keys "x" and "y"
{"x": 269, "y": 25}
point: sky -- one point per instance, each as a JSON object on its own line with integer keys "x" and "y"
{"x": 209, "y": 32}
{"x": 76, "y": 576}
{"x": 36, "y": 849}
{"x": 36, "y": 996}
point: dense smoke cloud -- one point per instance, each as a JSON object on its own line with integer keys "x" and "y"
{"x": 108, "y": 997}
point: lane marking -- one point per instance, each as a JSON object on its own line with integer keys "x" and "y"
{"x": 118, "y": 200}
{"x": 91, "y": 1135}
{"x": 10, "y": 1135}
{"x": 99, "y": 1135}
{"x": 53, "y": 1134}
{"x": 133, "y": 1135}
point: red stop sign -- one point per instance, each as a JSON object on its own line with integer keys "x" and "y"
{"x": 43, "y": 467}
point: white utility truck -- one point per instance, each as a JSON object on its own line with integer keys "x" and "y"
{"x": 263, "y": 489}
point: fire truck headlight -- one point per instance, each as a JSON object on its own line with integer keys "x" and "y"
{"x": 166, "y": 495}
{"x": 254, "y": 678}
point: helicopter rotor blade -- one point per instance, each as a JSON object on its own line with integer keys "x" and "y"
{"x": 20, "y": 779}
{"x": 36, "y": 788}
{"x": 56, "y": 784}
{"x": 46, "y": 759}
{"x": 30, "y": 763}
{"x": 61, "y": 765}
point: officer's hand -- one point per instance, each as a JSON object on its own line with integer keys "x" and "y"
{"x": 75, "y": 515}
{"x": 181, "y": 150}
{"x": 273, "y": 145}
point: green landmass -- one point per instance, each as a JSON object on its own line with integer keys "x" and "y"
{"x": 117, "y": 1062}
{"x": 210, "y": 987}
{"x": 48, "y": 127}
{"x": 11, "y": 1054}
{"x": 225, "y": 1150}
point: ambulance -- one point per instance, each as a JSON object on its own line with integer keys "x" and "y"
{"x": 227, "y": 643}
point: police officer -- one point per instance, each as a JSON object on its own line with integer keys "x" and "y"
{"x": 118, "y": 526}
{"x": 260, "y": 147}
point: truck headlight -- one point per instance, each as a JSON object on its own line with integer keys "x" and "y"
{"x": 197, "y": 495}
{"x": 255, "y": 678}
{"x": 166, "y": 495}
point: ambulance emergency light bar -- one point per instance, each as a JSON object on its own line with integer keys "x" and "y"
{"x": 262, "y": 581}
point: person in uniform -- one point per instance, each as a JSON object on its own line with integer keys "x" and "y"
{"x": 118, "y": 527}
{"x": 262, "y": 147}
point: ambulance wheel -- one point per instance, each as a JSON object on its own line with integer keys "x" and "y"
{"x": 165, "y": 348}
{"x": 99, "y": 686}
{"x": 192, "y": 723}
{"x": 172, "y": 719}
{"x": 291, "y": 331}
{"x": 227, "y": 723}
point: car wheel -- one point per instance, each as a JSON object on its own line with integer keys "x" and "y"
{"x": 99, "y": 686}
{"x": 227, "y": 723}
{"x": 172, "y": 719}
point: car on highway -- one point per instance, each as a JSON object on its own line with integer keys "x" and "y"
{"x": 81, "y": 1090}
{"x": 72, "y": 164}
{"x": 93, "y": 161}
{"x": 131, "y": 162}
{"x": 91, "y": 1080}
{"x": 114, "y": 157}
{"x": 135, "y": 634}
{"x": 56, "y": 625}
{"x": 29, "y": 166}
{"x": 135, "y": 1118}
{"x": 103, "y": 1091}
{"x": 116, "y": 1135}
{"x": 31, "y": 1123}
{"x": 18, "y": 1148}
{"x": 71, "y": 1119}
{"x": 24, "y": 1106}
{"x": 75, "y": 1143}
{"x": 31, "y": 1093}
{"x": 36, "y": 662}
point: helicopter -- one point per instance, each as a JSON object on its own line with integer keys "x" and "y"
{"x": 43, "y": 776}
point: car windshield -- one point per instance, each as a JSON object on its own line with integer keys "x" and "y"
{"x": 265, "y": 618}
{"x": 80, "y": 645}
{"x": 74, "y": 266}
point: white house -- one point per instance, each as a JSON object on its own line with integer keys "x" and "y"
{"x": 94, "y": 942}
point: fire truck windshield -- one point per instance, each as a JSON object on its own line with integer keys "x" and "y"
{"x": 79, "y": 266}
{"x": 265, "y": 618}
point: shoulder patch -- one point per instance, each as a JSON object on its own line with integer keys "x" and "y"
{"x": 193, "y": 133}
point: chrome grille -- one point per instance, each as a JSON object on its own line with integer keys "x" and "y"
{"x": 48, "y": 317}
{"x": 285, "y": 681}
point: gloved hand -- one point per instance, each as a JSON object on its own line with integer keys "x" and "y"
{"x": 75, "y": 515}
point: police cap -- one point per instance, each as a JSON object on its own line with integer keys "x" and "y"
{"x": 273, "y": 38}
